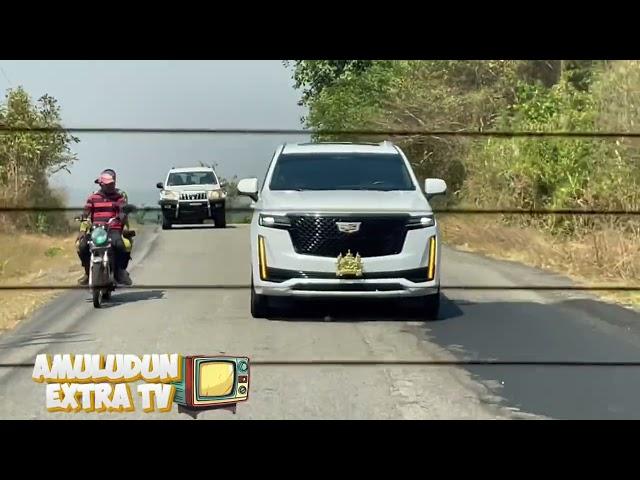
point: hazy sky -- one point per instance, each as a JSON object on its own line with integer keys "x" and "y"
{"x": 162, "y": 94}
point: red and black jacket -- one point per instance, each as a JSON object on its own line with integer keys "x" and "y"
{"x": 100, "y": 208}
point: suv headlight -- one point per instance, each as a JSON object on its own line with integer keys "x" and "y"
{"x": 274, "y": 221}
{"x": 169, "y": 195}
{"x": 421, "y": 221}
{"x": 216, "y": 195}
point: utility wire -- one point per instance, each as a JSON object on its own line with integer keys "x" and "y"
{"x": 401, "y": 363}
{"x": 602, "y": 288}
{"x": 319, "y": 132}
{"x": 453, "y": 210}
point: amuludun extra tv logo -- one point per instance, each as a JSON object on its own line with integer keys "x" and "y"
{"x": 102, "y": 383}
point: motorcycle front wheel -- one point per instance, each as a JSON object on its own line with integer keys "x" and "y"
{"x": 97, "y": 297}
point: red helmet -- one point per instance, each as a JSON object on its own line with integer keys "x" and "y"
{"x": 106, "y": 178}
{"x": 109, "y": 172}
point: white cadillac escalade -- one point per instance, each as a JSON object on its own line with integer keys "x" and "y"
{"x": 343, "y": 220}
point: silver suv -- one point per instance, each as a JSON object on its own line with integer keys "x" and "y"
{"x": 190, "y": 196}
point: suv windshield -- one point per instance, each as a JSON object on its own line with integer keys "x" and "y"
{"x": 340, "y": 171}
{"x": 191, "y": 178}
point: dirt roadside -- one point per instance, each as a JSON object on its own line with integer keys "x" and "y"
{"x": 27, "y": 259}
{"x": 603, "y": 259}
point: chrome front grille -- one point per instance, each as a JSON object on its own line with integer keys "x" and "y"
{"x": 193, "y": 196}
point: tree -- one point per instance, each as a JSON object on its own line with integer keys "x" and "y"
{"x": 27, "y": 159}
{"x": 231, "y": 187}
{"x": 313, "y": 76}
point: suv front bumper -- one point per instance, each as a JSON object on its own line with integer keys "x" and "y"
{"x": 190, "y": 209}
{"x": 286, "y": 273}
{"x": 379, "y": 288}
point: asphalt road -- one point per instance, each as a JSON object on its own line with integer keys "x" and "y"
{"x": 475, "y": 325}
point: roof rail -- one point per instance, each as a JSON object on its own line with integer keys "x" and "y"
{"x": 339, "y": 143}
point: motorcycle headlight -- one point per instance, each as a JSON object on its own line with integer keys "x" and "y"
{"x": 216, "y": 195}
{"x": 99, "y": 236}
{"x": 169, "y": 195}
{"x": 421, "y": 221}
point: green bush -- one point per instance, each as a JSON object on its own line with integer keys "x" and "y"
{"x": 525, "y": 173}
{"x": 554, "y": 172}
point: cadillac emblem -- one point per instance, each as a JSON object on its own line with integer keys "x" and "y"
{"x": 349, "y": 266}
{"x": 348, "y": 227}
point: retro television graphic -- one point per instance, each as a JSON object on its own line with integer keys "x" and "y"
{"x": 210, "y": 381}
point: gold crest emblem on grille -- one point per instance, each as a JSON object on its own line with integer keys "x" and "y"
{"x": 349, "y": 266}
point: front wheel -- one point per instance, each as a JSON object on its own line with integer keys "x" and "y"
{"x": 220, "y": 219}
{"x": 97, "y": 297}
{"x": 259, "y": 304}
{"x": 429, "y": 306}
{"x": 166, "y": 224}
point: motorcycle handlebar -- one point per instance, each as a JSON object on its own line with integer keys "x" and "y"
{"x": 108, "y": 224}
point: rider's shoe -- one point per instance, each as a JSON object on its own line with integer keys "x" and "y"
{"x": 123, "y": 278}
{"x": 84, "y": 280}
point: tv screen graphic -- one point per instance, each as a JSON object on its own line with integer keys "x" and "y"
{"x": 212, "y": 382}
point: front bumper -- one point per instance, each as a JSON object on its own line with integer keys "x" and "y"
{"x": 380, "y": 288}
{"x": 190, "y": 209}
{"x": 290, "y": 274}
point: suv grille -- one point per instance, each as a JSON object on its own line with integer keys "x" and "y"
{"x": 377, "y": 236}
{"x": 193, "y": 196}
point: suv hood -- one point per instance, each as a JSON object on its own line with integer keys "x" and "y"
{"x": 351, "y": 201}
{"x": 192, "y": 188}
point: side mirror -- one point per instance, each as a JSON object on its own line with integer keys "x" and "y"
{"x": 160, "y": 185}
{"x": 434, "y": 186}
{"x": 249, "y": 187}
{"x": 223, "y": 184}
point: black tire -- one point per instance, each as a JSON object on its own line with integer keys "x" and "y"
{"x": 106, "y": 295}
{"x": 220, "y": 219}
{"x": 97, "y": 297}
{"x": 166, "y": 224}
{"x": 259, "y": 304}
{"x": 430, "y": 306}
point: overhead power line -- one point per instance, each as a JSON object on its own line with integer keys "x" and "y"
{"x": 403, "y": 363}
{"x": 320, "y": 132}
{"x": 204, "y": 286}
{"x": 452, "y": 210}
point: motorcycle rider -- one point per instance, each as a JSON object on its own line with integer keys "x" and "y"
{"x": 101, "y": 206}
{"x": 128, "y": 242}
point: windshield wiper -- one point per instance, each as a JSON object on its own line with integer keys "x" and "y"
{"x": 371, "y": 189}
{"x": 343, "y": 188}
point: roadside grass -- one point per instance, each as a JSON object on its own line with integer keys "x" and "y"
{"x": 607, "y": 257}
{"x": 31, "y": 259}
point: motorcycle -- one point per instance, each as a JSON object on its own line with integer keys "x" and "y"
{"x": 102, "y": 282}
